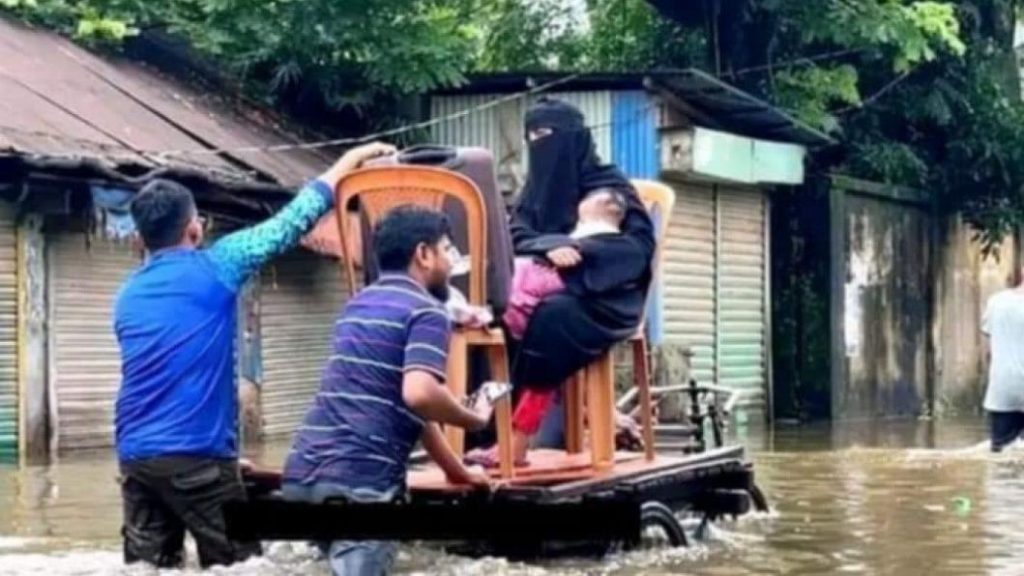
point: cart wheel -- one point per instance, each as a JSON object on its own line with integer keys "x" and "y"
{"x": 758, "y": 498}
{"x": 659, "y": 527}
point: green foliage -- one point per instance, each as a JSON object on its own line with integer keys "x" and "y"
{"x": 957, "y": 131}
{"x": 910, "y": 31}
{"x": 921, "y": 92}
{"x": 629, "y": 35}
{"x": 527, "y": 36}
{"x": 350, "y": 52}
{"x": 84, "y": 21}
{"x": 609, "y": 36}
{"x": 888, "y": 161}
{"x": 812, "y": 92}
{"x": 895, "y": 34}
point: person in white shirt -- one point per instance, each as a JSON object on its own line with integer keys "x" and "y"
{"x": 1003, "y": 324}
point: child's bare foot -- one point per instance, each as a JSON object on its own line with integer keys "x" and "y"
{"x": 488, "y": 458}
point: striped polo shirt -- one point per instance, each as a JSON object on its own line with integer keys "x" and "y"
{"x": 359, "y": 432}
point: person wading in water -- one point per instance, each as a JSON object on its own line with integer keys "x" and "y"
{"x": 1003, "y": 324}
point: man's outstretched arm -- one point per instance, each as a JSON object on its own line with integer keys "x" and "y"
{"x": 240, "y": 254}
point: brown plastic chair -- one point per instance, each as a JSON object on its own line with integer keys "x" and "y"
{"x": 594, "y": 385}
{"x": 379, "y": 190}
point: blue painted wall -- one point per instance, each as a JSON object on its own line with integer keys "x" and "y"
{"x": 635, "y": 151}
{"x": 635, "y": 134}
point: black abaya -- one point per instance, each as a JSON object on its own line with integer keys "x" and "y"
{"x": 605, "y": 294}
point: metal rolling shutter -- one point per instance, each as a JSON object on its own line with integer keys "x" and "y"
{"x": 741, "y": 293}
{"x": 84, "y": 353}
{"x": 688, "y": 276}
{"x": 9, "y": 407}
{"x": 300, "y": 297}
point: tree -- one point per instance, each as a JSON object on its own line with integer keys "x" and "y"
{"x": 329, "y": 55}
{"x": 612, "y": 35}
{"x": 919, "y": 93}
{"x": 924, "y": 93}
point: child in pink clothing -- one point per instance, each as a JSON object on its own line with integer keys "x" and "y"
{"x": 600, "y": 212}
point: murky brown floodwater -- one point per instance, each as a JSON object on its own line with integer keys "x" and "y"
{"x": 866, "y": 498}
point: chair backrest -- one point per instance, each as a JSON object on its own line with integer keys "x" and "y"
{"x": 659, "y": 199}
{"x": 380, "y": 189}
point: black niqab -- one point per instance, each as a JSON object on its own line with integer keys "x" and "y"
{"x": 564, "y": 166}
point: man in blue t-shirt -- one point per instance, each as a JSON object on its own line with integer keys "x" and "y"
{"x": 176, "y": 412}
{"x": 382, "y": 388}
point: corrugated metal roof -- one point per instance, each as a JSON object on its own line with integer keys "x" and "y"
{"x": 729, "y": 107}
{"x": 58, "y": 99}
{"x": 596, "y": 107}
{"x": 739, "y": 111}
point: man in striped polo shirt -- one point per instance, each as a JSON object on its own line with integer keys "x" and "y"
{"x": 382, "y": 389}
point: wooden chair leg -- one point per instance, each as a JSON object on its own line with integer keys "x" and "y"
{"x": 458, "y": 359}
{"x": 498, "y": 357}
{"x": 601, "y": 411}
{"x": 572, "y": 406}
{"x": 641, "y": 379}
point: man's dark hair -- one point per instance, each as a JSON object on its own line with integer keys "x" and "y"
{"x": 161, "y": 211}
{"x": 401, "y": 230}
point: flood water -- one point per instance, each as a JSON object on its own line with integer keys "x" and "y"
{"x": 862, "y": 498}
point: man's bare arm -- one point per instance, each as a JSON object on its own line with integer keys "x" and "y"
{"x": 429, "y": 399}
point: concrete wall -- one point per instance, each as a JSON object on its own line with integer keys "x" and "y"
{"x": 886, "y": 312}
{"x": 877, "y": 302}
{"x": 965, "y": 279}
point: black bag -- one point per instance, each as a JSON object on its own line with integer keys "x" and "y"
{"x": 477, "y": 164}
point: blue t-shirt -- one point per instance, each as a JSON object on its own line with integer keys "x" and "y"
{"x": 175, "y": 320}
{"x": 359, "y": 431}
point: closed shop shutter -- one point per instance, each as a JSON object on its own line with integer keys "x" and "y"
{"x": 300, "y": 297}
{"x": 715, "y": 274}
{"x": 8, "y": 333}
{"x": 84, "y": 280}
{"x": 742, "y": 319}
{"x": 688, "y": 276}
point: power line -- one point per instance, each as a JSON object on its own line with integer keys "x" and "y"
{"x": 877, "y": 95}
{"x": 803, "y": 60}
{"x": 382, "y": 134}
{"x": 111, "y": 149}
{"x": 161, "y": 155}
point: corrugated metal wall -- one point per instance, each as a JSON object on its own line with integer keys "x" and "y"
{"x": 9, "y": 407}
{"x": 500, "y": 128}
{"x": 597, "y": 109}
{"x": 84, "y": 353}
{"x": 478, "y": 129}
{"x": 300, "y": 297}
{"x": 635, "y": 134}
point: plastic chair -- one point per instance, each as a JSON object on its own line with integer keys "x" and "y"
{"x": 594, "y": 385}
{"x": 379, "y": 190}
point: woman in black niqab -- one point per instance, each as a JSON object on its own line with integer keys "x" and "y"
{"x": 606, "y": 277}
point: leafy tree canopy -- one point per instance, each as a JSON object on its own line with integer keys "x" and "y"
{"x": 920, "y": 93}
{"x": 923, "y": 93}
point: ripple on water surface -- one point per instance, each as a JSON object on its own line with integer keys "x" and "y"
{"x": 911, "y": 499}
